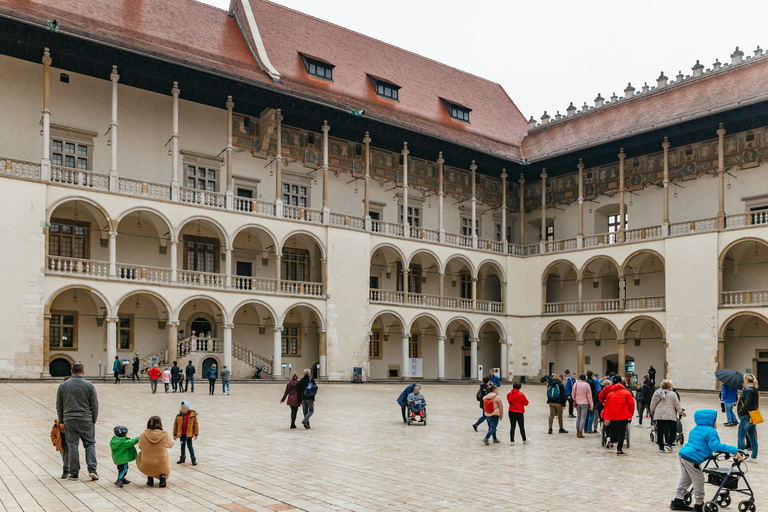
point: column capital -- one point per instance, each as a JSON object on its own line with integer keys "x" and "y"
{"x": 622, "y": 154}
{"x": 473, "y": 166}
{"x": 405, "y": 148}
{"x": 474, "y": 340}
{"x": 721, "y": 130}
{"x": 366, "y": 139}
{"x": 325, "y": 127}
{"x": 47, "y": 57}
{"x": 440, "y": 159}
{"x": 544, "y": 343}
{"x": 406, "y": 336}
{"x": 47, "y": 316}
{"x": 441, "y": 337}
{"x": 521, "y": 180}
{"x": 666, "y": 143}
{"x": 113, "y": 234}
{"x": 543, "y": 174}
{"x": 441, "y": 275}
{"x": 322, "y": 331}
{"x": 173, "y": 323}
{"x": 580, "y": 165}
{"x": 112, "y": 319}
{"x": 175, "y": 89}
{"x": 622, "y": 341}
{"x": 228, "y": 326}
{"x": 582, "y": 342}
{"x": 114, "y": 76}
{"x": 278, "y": 115}
{"x": 504, "y": 174}
{"x": 277, "y": 328}
{"x": 229, "y": 104}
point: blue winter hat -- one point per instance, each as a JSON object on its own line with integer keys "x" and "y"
{"x": 121, "y": 431}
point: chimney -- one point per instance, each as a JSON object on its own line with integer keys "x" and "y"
{"x": 545, "y": 118}
{"x": 717, "y": 64}
{"x": 584, "y": 107}
{"x": 679, "y": 76}
{"x": 737, "y": 56}
{"x": 758, "y": 51}
{"x": 571, "y": 110}
{"x": 558, "y": 116}
{"x": 698, "y": 69}
{"x": 599, "y": 101}
{"x": 614, "y": 98}
{"x": 661, "y": 81}
{"x": 531, "y": 123}
{"x": 629, "y": 91}
{"x": 645, "y": 87}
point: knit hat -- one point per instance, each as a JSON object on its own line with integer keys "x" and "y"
{"x": 121, "y": 431}
{"x": 185, "y": 403}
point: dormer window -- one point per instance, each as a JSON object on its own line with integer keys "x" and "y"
{"x": 457, "y": 111}
{"x": 318, "y": 68}
{"x": 385, "y": 89}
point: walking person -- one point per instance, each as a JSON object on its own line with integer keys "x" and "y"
{"x": 307, "y": 391}
{"x": 154, "y": 375}
{"x": 582, "y": 397}
{"x": 402, "y": 400}
{"x": 77, "y": 408}
{"x": 213, "y": 373}
{"x": 480, "y": 395}
{"x": 185, "y": 427}
{"x": 652, "y": 374}
{"x": 494, "y": 379}
{"x": 556, "y": 400}
{"x": 175, "y": 376}
{"x": 618, "y": 412}
{"x": 494, "y": 412}
{"x": 116, "y": 369}
{"x": 665, "y": 408}
{"x": 123, "y": 451}
{"x": 749, "y": 415}
{"x": 643, "y": 398}
{"x": 153, "y": 458}
{"x": 189, "y": 373}
{"x": 225, "y": 373}
{"x": 167, "y": 378}
{"x": 292, "y": 395}
{"x": 517, "y": 403}
{"x": 570, "y": 380}
{"x": 730, "y": 397}
{"x": 135, "y": 370}
{"x": 594, "y": 384}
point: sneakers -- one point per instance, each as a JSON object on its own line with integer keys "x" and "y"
{"x": 496, "y": 441}
{"x": 73, "y": 476}
{"x": 678, "y": 504}
{"x": 65, "y": 474}
{"x": 527, "y": 440}
{"x": 162, "y": 480}
{"x": 620, "y": 452}
{"x": 562, "y": 431}
{"x": 661, "y": 449}
{"x": 93, "y": 475}
{"x": 474, "y": 427}
{"x": 609, "y": 445}
{"x": 512, "y": 443}
{"x": 550, "y": 431}
{"x": 119, "y": 483}
{"x": 126, "y": 481}
{"x": 667, "y": 448}
{"x": 486, "y": 442}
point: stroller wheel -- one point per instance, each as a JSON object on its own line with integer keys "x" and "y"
{"x": 653, "y": 438}
{"x": 724, "y": 499}
{"x": 747, "y": 506}
{"x": 681, "y": 439}
{"x": 711, "y": 506}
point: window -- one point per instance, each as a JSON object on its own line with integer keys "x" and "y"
{"x": 125, "y": 333}
{"x": 414, "y": 279}
{"x": 414, "y": 216}
{"x": 498, "y": 232}
{"x": 385, "y": 89}
{"x": 613, "y": 226}
{"x": 457, "y": 111}
{"x": 295, "y": 265}
{"x": 201, "y": 254}
{"x": 68, "y": 239}
{"x": 466, "y": 286}
{"x": 295, "y": 195}
{"x": 466, "y": 226}
{"x": 201, "y": 178}
{"x": 414, "y": 347}
{"x": 550, "y": 233}
{"x": 62, "y": 330}
{"x": 318, "y": 68}
{"x": 70, "y": 155}
{"x": 375, "y": 349}
{"x": 290, "y": 344}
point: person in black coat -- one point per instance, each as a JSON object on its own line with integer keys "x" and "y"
{"x": 135, "y": 370}
{"x": 189, "y": 371}
{"x": 749, "y": 401}
{"x": 402, "y": 400}
{"x": 307, "y": 391}
{"x": 175, "y": 376}
{"x": 644, "y": 397}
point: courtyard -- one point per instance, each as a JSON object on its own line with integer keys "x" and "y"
{"x": 358, "y": 455}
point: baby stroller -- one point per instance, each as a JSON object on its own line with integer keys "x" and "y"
{"x": 727, "y": 481}
{"x": 605, "y": 433}
{"x": 679, "y": 436}
{"x": 417, "y": 411}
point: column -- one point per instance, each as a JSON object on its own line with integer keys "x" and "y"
{"x": 111, "y": 343}
{"x": 228, "y": 264}
{"x": 580, "y": 284}
{"x": 46, "y": 343}
{"x": 504, "y": 359}
{"x": 113, "y": 184}
{"x": 174, "y": 261}
{"x": 112, "y": 253}
{"x": 544, "y": 363}
{"x": 473, "y": 200}
{"x": 503, "y": 296}
{"x": 580, "y": 236}
{"x": 622, "y": 357}
{"x": 665, "y": 220}
{"x": 406, "y": 228}
{"x": 277, "y": 351}
{"x": 719, "y": 286}
{"x": 543, "y": 210}
{"x": 721, "y": 177}
{"x": 326, "y": 210}
{"x": 580, "y": 356}
{"x": 622, "y": 291}
{"x": 279, "y": 165}
{"x": 521, "y": 181}
{"x": 228, "y": 345}
{"x": 474, "y": 293}
{"x": 473, "y": 358}
{"x": 323, "y": 371}
{"x": 504, "y": 210}
{"x": 173, "y": 340}
{"x": 405, "y": 372}
{"x": 441, "y": 281}
{"x": 45, "y": 163}
{"x": 367, "y": 197}
{"x": 720, "y": 354}
{"x": 622, "y": 224}
{"x": 440, "y": 195}
{"x": 324, "y": 274}
{"x": 278, "y": 271}
{"x": 441, "y": 357}
{"x": 230, "y": 197}
{"x": 175, "y": 192}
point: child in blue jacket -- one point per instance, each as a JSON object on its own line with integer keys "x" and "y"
{"x": 703, "y": 441}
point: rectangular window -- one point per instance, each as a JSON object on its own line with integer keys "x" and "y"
{"x": 295, "y": 265}
{"x": 375, "y": 349}
{"x": 201, "y": 178}
{"x": 385, "y": 89}
{"x": 72, "y": 155}
{"x": 62, "y": 330}
{"x": 295, "y": 195}
{"x": 414, "y": 347}
{"x": 550, "y": 233}
{"x": 466, "y": 226}
{"x": 201, "y": 254}
{"x": 613, "y": 226}
{"x": 498, "y": 233}
{"x": 457, "y": 111}
{"x": 318, "y": 68}
{"x": 124, "y": 333}
{"x": 290, "y": 344}
{"x": 68, "y": 239}
{"x": 466, "y": 286}
{"x": 414, "y": 216}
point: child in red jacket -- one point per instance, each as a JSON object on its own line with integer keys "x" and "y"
{"x": 517, "y": 402}
{"x": 154, "y": 374}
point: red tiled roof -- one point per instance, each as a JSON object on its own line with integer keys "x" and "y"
{"x": 713, "y": 92}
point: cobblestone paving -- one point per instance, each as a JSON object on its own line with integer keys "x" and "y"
{"x": 358, "y": 456}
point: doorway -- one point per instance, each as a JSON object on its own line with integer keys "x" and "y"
{"x": 762, "y": 375}
{"x": 207, "y": 363}
{"x": 60, "y": 367}
{"x": 244, "y": 269}
{"x": 201, "y": 327}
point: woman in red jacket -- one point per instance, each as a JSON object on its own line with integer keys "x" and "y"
{"x": 517, "y": 402}
{"x": 618, "y": 412}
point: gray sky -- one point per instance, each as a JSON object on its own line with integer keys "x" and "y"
{"x": 548, "y": 53}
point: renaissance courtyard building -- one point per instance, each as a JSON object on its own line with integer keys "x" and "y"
{"x": 291, "y": 194}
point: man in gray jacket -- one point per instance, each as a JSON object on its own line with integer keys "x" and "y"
{"x": 77, "y": 406}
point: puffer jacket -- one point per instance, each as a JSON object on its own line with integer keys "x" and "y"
{"x": 749, "y": 401}
{"x": 703, "y": 440}
{"x": 665, "y": 405}
{"x": 619, "y": 404}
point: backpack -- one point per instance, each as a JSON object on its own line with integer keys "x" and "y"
{"x": 481, "y": 393}
{"x": 311, "y": 389}
{"x": 553, "y": 393}
{"x": 488, "y": 406}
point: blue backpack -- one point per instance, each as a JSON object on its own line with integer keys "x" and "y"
{"x": 553, "y": 393}
{"x": 311, "y": 389}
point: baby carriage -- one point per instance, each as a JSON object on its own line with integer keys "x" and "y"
{"x": 727, "y": 481}
{"x": 605, "y": 434}
{"x": 679, "y": 436}
{"x": 417, "y": 411}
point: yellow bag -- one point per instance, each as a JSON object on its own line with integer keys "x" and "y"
{"x": 755, "y": 417}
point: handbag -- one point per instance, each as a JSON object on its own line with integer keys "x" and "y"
{"x": 755, "y": 417}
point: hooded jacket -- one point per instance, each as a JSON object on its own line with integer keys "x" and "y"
{"x": 193, "y": 428}
{"x": 517, "y": 401}
{"x": 292, "y": 393}
{"x": 123, "y": 449}
{"x": 729, "y": 394}
{"x": 154, "y": 373}
{"x": 703, "y": 440}
{"x": 603, "y": 395}
{"x": 665, "y": 405}
{"x": 153, "y": 457}
{"x": 619, "y": 404}
{"x": 563, "y": 399}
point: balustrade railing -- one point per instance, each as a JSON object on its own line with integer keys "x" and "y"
{"x": 491, "y": 245}
{"x": 560, "y": 308}
{"x": 243, "y": 204}
{"x": 143, "y": 273}
{"x": 595, "y": 306}
{"x": 140, "y": 188}
{"x": 60, "y": 265}
{"x": 202, "y": 197}
{"x": 254, "y": 284}
{"x": 422, "y": 299}
{"x": 560, "y": 245}
{"x": 200, "y": 344}
{"x": 430, "y": 235}
{"x": 386, "y": 296}
{"x": 644, "y": 304}
{"x": 458, "y": 240}
{"x": 203, "y": 279}
{"x": 250, "y": 357}
{"x": 743, "y": 220}
{"x": 76, "y": 177}
{"x": 744, "y": 298}
{"x": 489, "y": 306}
{"x": 694, "y": 226}
{"x": 386, "y": 228}
{"x": 650, "y": 233}
{"x": 19, "y": 169}
{"x": 304, "y": 214}
{"x": 301, "y": 288}
{"x": 346, "y": 221}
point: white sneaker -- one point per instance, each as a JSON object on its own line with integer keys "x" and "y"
{"x": 528, "y": 440}
{"x": 512, "y": 443}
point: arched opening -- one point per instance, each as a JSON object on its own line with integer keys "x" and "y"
{"x": 458, "y": 350}
{"x": 745, "y": 274}
{"x": 600, "y": 285}
{"x": 300, "y": 342}
{"x": 559, "y": 346}
{"x": 143, "y": 239}
{"x": 60, "y": 367}
{"x": 142, "y": 327}
{"x": 611, "y": 365}
{"x": 207, "y": 363}
{"x": 387, "y": 281}
{"x": 646, "y": 346}
{"x": 301, "y": 264}
{"x": 490, "y": 297}
{"x": 489, "y": 348}
{"x": 561, "y": 288}
{"x": 200, "y": 320}
{"x": 253, "y": 340}
{"x": 254, "y": 260}
{"x": 645, "y": 282}
{"x": 460, "y": 288}
{"x": 423, "y": 279}
{"x": 745, "y": 346}
{"x": 422, "y": 348}
{"x": 600, "y": 340}
{"x": 78, "y": 239}
{"x": 201, "y": 246}
{"x": 385, "y": 353}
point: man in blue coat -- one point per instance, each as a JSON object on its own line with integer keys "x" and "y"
{"x": 403, "y": 400}
{"x": 730, "y": 397}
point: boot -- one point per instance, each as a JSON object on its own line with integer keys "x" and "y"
{"x": 698, "y": 508}
{"x": 150, "y": 481}
{"x": 678, "y": 504}
{"x": 126, "y": 481}
{"x": 194, "y": 461}
{"x": 579, "y": 434}
{"x": 162, "y": 480}
{"x": 182, "y": 460}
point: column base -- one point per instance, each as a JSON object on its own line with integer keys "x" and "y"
{"x": 45, "y": 170}
{"x": 665, "y": 229}
{"x": 441, "y": 236}
{"x": 474, "y": 241}
{"x": 720, "y": 220}
{"x": 580, "y": 242}
{"x": 229, "y": 200}
{"x": 368, "y": 223}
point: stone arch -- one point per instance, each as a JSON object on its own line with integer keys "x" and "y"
{"x": 555, "y": 322}
{"x": 551, "y": 266}
{"x": 64, "y": 200}
{"x": 431, "y": 317}
{"x": 629, "y": 324}
{"x": 391, "y": 247}
{"x": 222, "y": 232}
{"x": 312, "y": 307}
{"x": 724, "y": 326}
{"x": 473, "y": 333}
{"x": 395, "y": 314}
{"x": 97, "y": 293}
{"x": 724, "y": 253}
{"x": 311, "y": 235}
{"x": 256, "y": 302}
{"x": 637, "y": 253}
{"x": 258, "y": 227}
{"x": 598, "y": 319}
{"x": 424, "y": 251}
{"x": 598, "y": 257}
{"x": 163, "y": 300}
{"x": 462, "y": 258}
{"x": 496, "y": 265}
{"x": 137, "y": 209}
{"x": 222, "y": 309}
{"x": 492, "y": 321}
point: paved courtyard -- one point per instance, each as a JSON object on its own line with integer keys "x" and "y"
{"x": 358, "y": 456}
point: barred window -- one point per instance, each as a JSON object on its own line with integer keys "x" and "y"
{"x": 61, "y": 333}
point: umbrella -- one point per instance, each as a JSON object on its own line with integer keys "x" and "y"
{"x": 730, "y": 378}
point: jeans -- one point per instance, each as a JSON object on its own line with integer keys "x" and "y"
{"x": 690, "y": 474}
{"x": 225, "y": 386}
{"x": 570, "y": 407}
{"x": 590, "y": 420}
{"x": 516, "y": 419}
{"x": 192, "y": 380}
{"x": 64, "y": 454}
{"x": 187, "y": 442}
{"x": 730, "y": 416}
{"x": 211, "y": 386}
{"x": 308, "y": 408}
{"x": 583, "y": 411}
{"x": 166, "y": 386}
{"x": 556, "y": 410}
{"x": 135, "y": 376}
{"x": 666, "y": 432}
{"x": 481, "y": 419}
{"x": 153, "y": 384}
{"x": 75, "y": 431}
{"x": 117, "y": 377}
{"x": 295, "y": 410}
{"x": 175, "y": 384}
{"x": 746, "y": 428}
{"x": 641, "y": 407}
{"x": 493, "y": 422}
{"x": 619, "y": 433}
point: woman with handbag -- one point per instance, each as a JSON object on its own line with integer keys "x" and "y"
{"x": 749, "y": 414}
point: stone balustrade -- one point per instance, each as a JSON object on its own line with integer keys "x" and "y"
{"x": 744, "y": 298}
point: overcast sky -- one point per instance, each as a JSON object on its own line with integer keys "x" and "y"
{"x": 548, "y": 53}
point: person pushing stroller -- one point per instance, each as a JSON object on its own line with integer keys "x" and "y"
{"x": 417, "y": 404}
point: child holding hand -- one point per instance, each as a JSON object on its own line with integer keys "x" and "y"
{"x": 123, "y": 452}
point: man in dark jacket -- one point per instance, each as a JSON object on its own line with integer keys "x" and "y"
{"x": 643, "y": 398}
{"x": 556, "y": 399}
{"x": 402, "y": 400}
{"x": 307, "y": 391}
{"x": 189, "y": 371}
{"x": 652, "y": 374}
{"x": 77, "y": 407}
{"x": 175, "y": 376}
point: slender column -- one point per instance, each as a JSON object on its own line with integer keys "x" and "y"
{"x": 228, "y": 345}
{"x": 720, "y": 353}
{"x": 474, "y": 293}
{"x": 406, "y": 227}
{"x": 367, "y": 197}
{"x": 175, "y": 192}
{"x": 277, "y": 352}
{"x": 473, "y": 358}
{"x": 503, "y": 296}
{"x": 45, "y": 163}
{"x": 173, "y": 340}
{"x": 278, "y": 271}
{"x": 543, "y": 210}
{"x": 721, "y": 177}
{"x": 405, "y": 373}
{"x": 111, "y": 343}
{"x": 279, "y": 165}
{"x": 324, "y": 273}
{"x": 580, "y": 356}
{"x": 719, "y": 286}
{"x": 46, "y": 344}
{"x": 543, "y": 297}
{"x": 622, "y": 357}
{"x": 323, "y": 372}
{"x": 112, "y": 253}
{"x": 441, "y": 357}
{"x": 504, "y": 210}
{"x": 665, "y": 220}
{"x": 580, "y": 306}
{"x": 174, "y": 260}
{"x": 622, "y": 291}
{"x": 504, "y": 359}
{"x": 230, "y": 196}
{"x": 440, "y": 196}
{"x": 441, "y": 281}
{"x": 622, "y": 224}
{"x": 580, "y": 236}
{"x": 544, "y": 362}
{"x": 473, "y": 168}
{"x": 521, "y": 181}
{"x": 326, "y": 210}
{"x": 228, "y": 264}
{"x": 113, "y": 185}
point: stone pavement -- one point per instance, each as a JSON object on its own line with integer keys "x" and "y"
{"x": 358, "y": 456}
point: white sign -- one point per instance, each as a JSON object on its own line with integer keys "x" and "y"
{"x": 414, "y": 367}
{"x": 479, "y": 372}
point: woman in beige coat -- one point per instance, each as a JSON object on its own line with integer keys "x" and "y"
{"x": 153, "y": 458}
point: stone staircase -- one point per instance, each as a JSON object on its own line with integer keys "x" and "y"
{"x": 251, "y": 359}
{"x": 162, "y": 358}
{"x": 244, "y": 360}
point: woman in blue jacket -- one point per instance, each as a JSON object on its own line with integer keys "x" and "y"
{"x": 212, "y": 374}
{"x": 402, "y": 400}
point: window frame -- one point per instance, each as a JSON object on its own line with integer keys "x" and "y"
{"x": 131, "y": 331}
{"x": 311, "y": 64}
{"x": 60, "y": 235}
{"x": 285, "y": 259}
{"x": 414, "y": 342}
{"x": 60, "y": 324}
{"x": 465, "y": 222}
{"x": 414, "y": 212}
{"x": 376, "y": 336}
{"x": 550, "y": 233}
{"x": 206, "y": 162}
{"x": 614, "y": 224}
{"x": 384, "y": 85}
{"x": 457, "y": 111}
{"x": 287, "y": 334}
{"x": 194, "y": 239}
{"x": 79, "y": 138}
